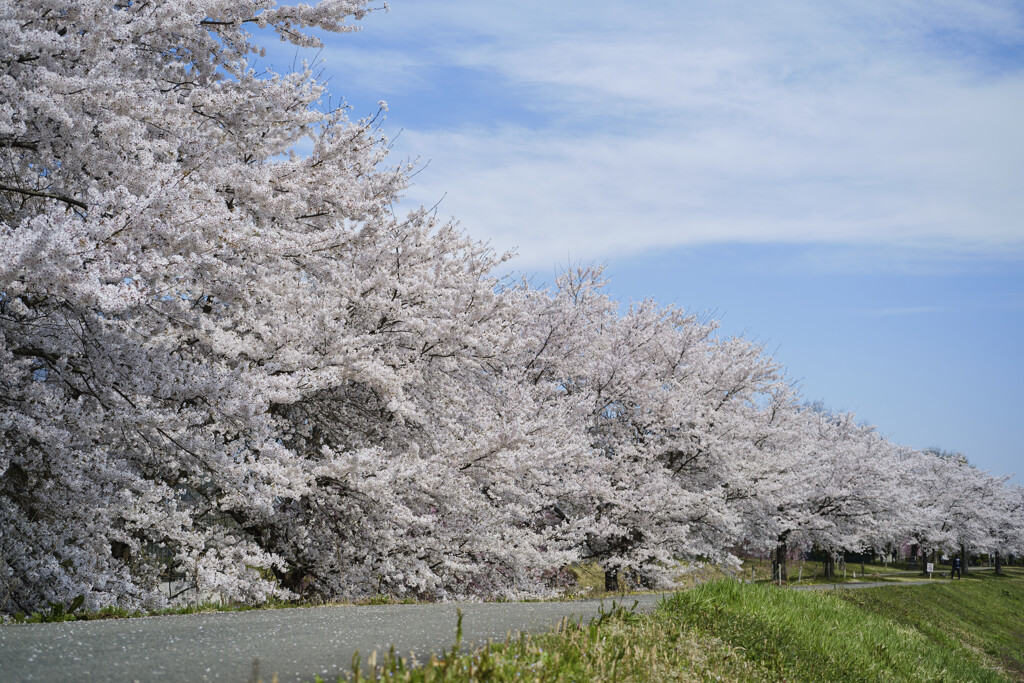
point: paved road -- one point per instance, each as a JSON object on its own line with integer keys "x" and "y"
{"x": 295, "y": 643}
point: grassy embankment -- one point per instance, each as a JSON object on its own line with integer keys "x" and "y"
{"x": 590, "y": 578}
{"x": 813, "y": 572}
{"x": 969, "y": 630}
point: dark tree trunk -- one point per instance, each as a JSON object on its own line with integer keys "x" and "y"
{"x": 293, "y": 580}
{"x": 611, "y": 580}
{"x": 830, "y": 566}
{"x": 913, "y": 555}
{"x": 999, "y": 563}
{"x": 779, "y": 560}
{"x": 963, "y": 559}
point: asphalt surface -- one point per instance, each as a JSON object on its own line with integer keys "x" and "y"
{"x": 296, "y": 644}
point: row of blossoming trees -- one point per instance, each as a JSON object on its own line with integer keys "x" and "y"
{"x": 242, "y": 356}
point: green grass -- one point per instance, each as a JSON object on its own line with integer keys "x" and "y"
{"x": 619, "y": 645}
{"x": 725, "y": 630}
{"x": 980, "y": 616}
{"x": 828, "y": 636}
{"x": 813, "y": 572}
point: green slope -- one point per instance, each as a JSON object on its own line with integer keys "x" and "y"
{"x": 984, "y": 616}
{"x": 970, "y": 630}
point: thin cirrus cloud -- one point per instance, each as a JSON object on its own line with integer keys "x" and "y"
{"x": 591, "y": 130}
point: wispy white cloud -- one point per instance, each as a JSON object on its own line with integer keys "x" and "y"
{"x": 673, "y": 123}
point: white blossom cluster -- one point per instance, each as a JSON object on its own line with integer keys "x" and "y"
{"x": 230, "y": 361}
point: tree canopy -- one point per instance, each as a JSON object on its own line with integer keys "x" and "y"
{"x": 245, "y": 357}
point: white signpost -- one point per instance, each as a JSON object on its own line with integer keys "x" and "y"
{"x": 930, "y": 567}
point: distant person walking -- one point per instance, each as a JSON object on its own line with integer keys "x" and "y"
{"x": 956, "y": 568}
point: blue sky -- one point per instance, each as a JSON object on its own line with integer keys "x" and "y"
{"x": 843, "y": 181}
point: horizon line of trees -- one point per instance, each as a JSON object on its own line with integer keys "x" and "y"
{"x": 247, "y": 362}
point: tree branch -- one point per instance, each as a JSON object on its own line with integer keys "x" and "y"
{"x": 46, "y": 195}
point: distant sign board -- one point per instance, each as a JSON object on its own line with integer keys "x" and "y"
{"x": 931, "y": 568}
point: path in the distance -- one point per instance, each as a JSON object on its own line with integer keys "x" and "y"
{"x": 867, "y": 584}
{"x": 297, "y": 643}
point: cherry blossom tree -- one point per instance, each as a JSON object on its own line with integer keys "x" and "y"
{"x": 822, "y": 480}
{"x": 215, "y": 345}
{"x": 663, "y": 403}
{"x": 230, "y": 360}
{"x": 1007, "y": 523}
{"x": 958, "y": 508}
{"x": 156, "y": 230}
{"x": 436, "y": 462}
